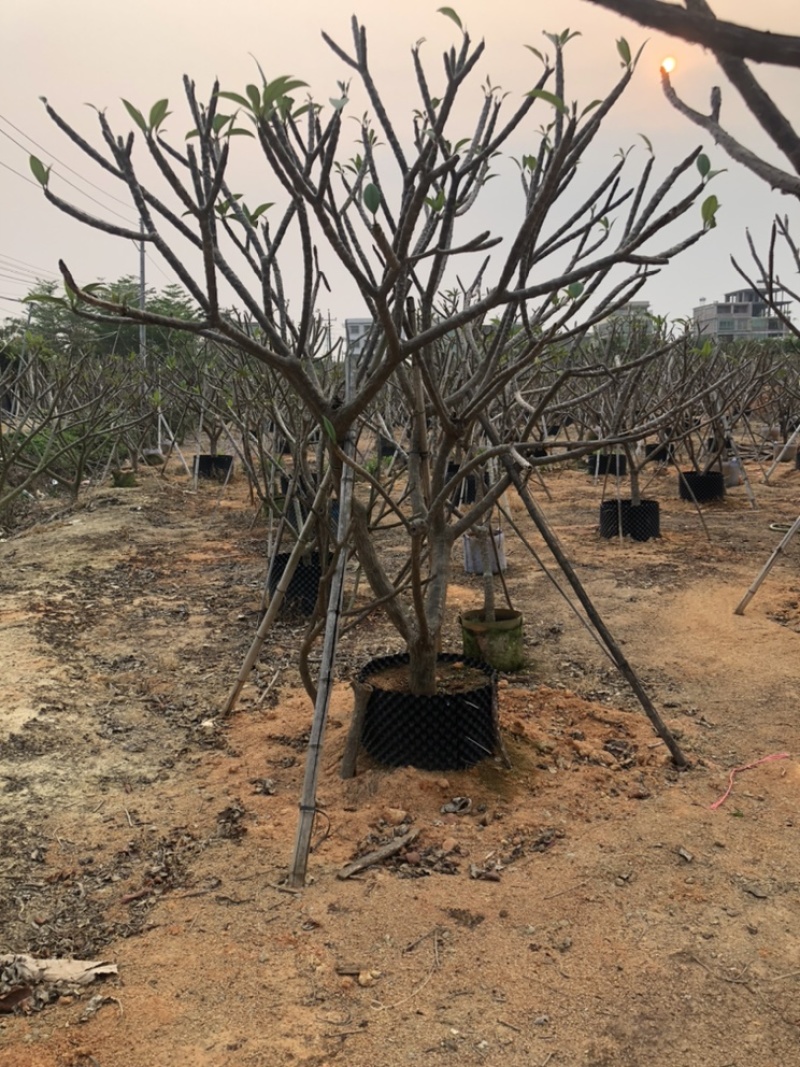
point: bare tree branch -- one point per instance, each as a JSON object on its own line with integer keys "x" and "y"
{"x": 713, "y": 33}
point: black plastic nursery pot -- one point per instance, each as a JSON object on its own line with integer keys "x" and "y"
{"x": 301, "y": 594}
{"x": 387, "y": 447}
{"x": 701, "y": 486}
{"x": 218, "y": 468}
{"x": 599, "y": 463}
{"x": 659, "y": 453}
{"x": 639, "y": 521}
{"x": 467, "y": 489}
{"x": 446, "y": 731}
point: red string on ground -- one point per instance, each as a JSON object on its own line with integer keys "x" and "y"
{"x": 746, "y": 767}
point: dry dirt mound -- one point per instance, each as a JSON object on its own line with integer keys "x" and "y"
{"x": 587, "y": 907}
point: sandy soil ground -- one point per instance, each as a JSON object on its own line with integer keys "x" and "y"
{"x": 591, "y": 908}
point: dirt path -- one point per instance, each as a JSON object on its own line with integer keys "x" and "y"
{"x": 591, "y": 909}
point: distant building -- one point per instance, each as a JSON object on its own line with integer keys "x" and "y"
{"x": 744, "y": 316}
{"x": 633, "y": 316}
{"x": 356, "y": 332}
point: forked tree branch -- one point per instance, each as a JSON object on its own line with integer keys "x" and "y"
{"x": 713, "y": 33}
{"x": 773, "y": 176}
{"x": 763, "y": 107}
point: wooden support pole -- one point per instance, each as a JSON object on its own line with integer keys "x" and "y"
{"x": 777, "y": 460}
{"x": 614, "y": 650}
{"x": 277, "y": 597}
{"x": 308, "y": 800}
{"x": 751, "y": 592}
{"x": 751, "y": 496}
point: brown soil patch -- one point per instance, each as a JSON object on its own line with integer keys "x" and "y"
{"x": 587, "y": 908}
{"x": 451, "y": 678}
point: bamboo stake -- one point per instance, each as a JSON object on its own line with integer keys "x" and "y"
{"x": 198, "y": 436}
{"x": 277, "y": 598}
{"x": 751, "y": 496}
{"x": 173, "y": 444}
{"x": 308, "y": 800}
{"x": 616, "y": 652}
{"x": 777, "y": 459}
{"x": 224, "y": 486}
{"x": 756, "y": 445}
{"x": 697, "y": 507}
{"x": 751, "y": 592}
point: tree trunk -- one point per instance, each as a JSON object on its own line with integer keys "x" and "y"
{"x": 422, "y": 666}
{"x": 633, "y": 467}
{"x": 488, "y": 552}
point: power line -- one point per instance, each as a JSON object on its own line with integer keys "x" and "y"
{"x": 66, "y": 166}
{"x": 20, "y": 272}
{"x": 72, "y": 185}
{"x": 30, "y": 181}
{"x": 25, "y": 264}
{"x": 66, "y": 181}
{"x": 8, "y": 282}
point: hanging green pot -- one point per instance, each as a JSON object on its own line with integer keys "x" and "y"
{"x": 497, "y": 643}
{"x": 123, "y": 479}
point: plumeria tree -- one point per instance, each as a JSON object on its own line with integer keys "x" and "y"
{"x": 462, "y": 314}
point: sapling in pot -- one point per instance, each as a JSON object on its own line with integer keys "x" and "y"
{"x": 395, "y": 219}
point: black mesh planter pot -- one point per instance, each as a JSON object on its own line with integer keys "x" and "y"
{"x": 442, "y": 732}
{"x": 301, "y": 594}
{"x": 217, "y": 468}
{"x": 604, "y": 464}
{"x": 702, "y": 487}
{"x": 639, "y": 521}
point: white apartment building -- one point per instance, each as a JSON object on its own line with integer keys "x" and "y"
{"x": 742, "y": 316}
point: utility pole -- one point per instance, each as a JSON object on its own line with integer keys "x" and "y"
{"x": 143, "y": 328}
{"x": 23, "y": 369}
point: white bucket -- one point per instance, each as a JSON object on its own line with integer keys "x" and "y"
{"x": 732, "y": 473}
{"x": 473, "y": 558}
{"x": 785, "y": 453}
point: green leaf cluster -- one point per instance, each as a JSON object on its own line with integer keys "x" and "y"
{"x": 40, "y": 172}
{"x": 158, "y": 113}
{"x": 273, "y": 97}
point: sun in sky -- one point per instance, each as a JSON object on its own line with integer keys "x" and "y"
{"x": 669, "y": 63}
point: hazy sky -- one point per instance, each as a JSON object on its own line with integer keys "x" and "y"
{"x": 99, "y": 51}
